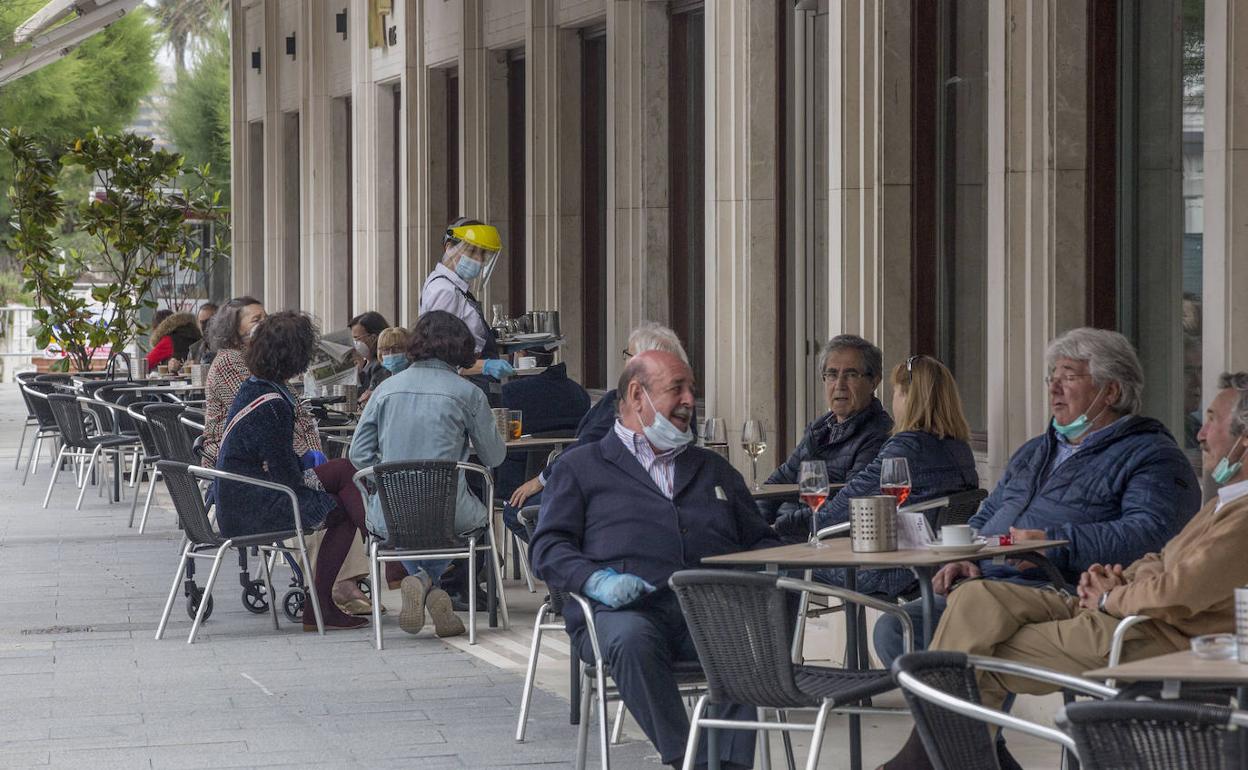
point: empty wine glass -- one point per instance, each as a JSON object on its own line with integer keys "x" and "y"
{"x": 812, "y": 488}
{"x": 754, "y": 442}
{"x": 895, "y": 478}
{"x": 715, "y": 436}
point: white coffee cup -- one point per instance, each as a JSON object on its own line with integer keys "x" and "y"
{"x": 956, "y": 534}
{"x": 526, "y": 362}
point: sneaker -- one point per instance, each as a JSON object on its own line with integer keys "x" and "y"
{"x": 412, "y": 616}
{"x": 445, "y": 621}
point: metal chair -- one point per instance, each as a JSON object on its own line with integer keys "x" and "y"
{"x": 147, "y": 461}
{"x": 32, "y": 420}
{"x": 1152, "y": 735}
{"x": 205, "y": 541}
{"x": 173, "y": 439}
{"x": 418, "y": 501}
{"x": 36, "y": 396}
{"x": 941, "y": 692}
{"x": 743, "y": 630}
{"x": 77, "y": 443}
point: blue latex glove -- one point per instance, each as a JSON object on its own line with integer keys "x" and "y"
{"x": 312, "y": 458}
{"x": 615, "y": 590}
{"x": 497, "y": 368}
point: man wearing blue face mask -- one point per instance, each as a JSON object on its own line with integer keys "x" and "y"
{"x": 618, "y": 517}
{"x": 1112, "y": 482}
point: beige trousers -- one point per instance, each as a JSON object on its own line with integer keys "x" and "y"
{"x": 356, "y": 563}
{"x": 1035, "y": 626}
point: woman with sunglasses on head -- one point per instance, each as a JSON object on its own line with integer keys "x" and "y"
{"x": 931, "y": 433}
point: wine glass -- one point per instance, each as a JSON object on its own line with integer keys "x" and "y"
{"x": 812, "y": 488}
{"x": 895, "y": 478}
{"x": 754, "y": 442}
{"x": 715, "y": 436}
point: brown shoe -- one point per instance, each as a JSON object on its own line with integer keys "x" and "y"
{"x": 412, "y": 616}
{"x": 445, "y": 621}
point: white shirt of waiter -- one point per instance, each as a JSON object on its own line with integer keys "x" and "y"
{"x": 444, "y": 290}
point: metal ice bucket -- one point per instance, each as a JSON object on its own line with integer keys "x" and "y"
{"x": 873, "y": 523}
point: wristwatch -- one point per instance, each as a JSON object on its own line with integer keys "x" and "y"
{"x": 1100, "y": 603}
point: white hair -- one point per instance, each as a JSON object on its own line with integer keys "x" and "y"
{"x": 655, "y": 336}
{"x": 1239, "y": 412}
{"x": 1110, "y": 357}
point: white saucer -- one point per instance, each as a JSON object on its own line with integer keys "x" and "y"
{"x": 968, "y": 548}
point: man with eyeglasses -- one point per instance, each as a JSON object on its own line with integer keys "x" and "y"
{"x": 847, "y": 438}
{"x": 1112, "y": 482}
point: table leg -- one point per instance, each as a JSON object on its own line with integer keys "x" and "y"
{"x": 853, "y": 663}
{"x": 928, "y": 597}
{"x": 116, "y": 477}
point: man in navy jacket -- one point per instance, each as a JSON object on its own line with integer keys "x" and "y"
{"x": 621, "y": 515}
{"x": 1111, "y": 482}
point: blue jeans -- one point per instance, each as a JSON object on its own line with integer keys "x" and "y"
{"x": 889, "y": 640}
{"x": 431, "y": 567}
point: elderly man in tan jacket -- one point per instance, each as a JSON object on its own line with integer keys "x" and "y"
{"x": 1186, "y": 589}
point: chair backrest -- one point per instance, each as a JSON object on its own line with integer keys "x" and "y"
{"x": 37, "y": 394}
{"x": 54, "y": 377}
{"x": 1149, "y": 735}
{"x": 188, "y": 501}
{"x": 119, "y": 393}
{"x": 70, "y": 420}
{"x": 173, "y": 441}
{"x": 953, "y": 741}
{"x": 418, "y": 499}
{"x": 26, "y": 376}
{"x": 147, "y": 436}
{"x": 742, "y": 629}
{"x": 962, "y": 506}
{"x": 527, "y": 516}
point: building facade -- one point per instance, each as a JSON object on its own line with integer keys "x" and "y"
{"x": 963, "y": 178}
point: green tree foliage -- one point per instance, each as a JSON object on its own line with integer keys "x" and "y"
{"x": 198, "y": 115}
{"x": 99, "y": 84}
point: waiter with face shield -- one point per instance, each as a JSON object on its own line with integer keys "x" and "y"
{"x": 470, "y": 251}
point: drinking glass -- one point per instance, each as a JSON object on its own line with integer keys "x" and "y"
{"x": 754, "y": 442}
{"x": 715, "y": 436}
{"x": 516, "y": 417}
{"x": 812, "y": 488}
{"x": 895, "y": 478}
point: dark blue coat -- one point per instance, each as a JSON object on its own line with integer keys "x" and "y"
{"x": 845, "y": 448}
{"x": 260, "y": 446}
{"x": 938, "y": 467}
{"x": 1120, "y": 497}
{"x": 550, "y": 402}
{"x": 601, "y": 509}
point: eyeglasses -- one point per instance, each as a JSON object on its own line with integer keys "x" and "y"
{"x": 910, "y": 361}
{"x": 849, "y": 375}
{"x": 1065, "y": 379}
{"x": 627, "y": 354}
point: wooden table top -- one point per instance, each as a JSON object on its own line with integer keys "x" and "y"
{"x": 838, "y": 553}
{"x": 530, "y": 442}
{"x": 783, "y": 491}
{"x": 1182, "y": 666}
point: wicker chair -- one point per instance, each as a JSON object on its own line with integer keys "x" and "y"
{"x": 78, "y": 443}
{"x": 204, "y": 541}
{"x": 147, "y": 461}
{"x": 941, "y": 692}
{"x": 1151, "y": 735}
{"x": 418, "y": 499}
{"x": 36, "y": 396}
{"x": 743, "y": 630}
{"x": 173, "y": 439}
{"x": 32, "y": 419}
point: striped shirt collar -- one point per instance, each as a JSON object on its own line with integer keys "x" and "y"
{"x": 661, "y": 465}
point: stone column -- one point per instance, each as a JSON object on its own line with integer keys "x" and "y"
{"x": 280, "y": 292}
{"x": 741, "y": 140}
{"x": 1225, "y": 319}
{"x": 638, "y": 245}
{"x": 421, "y": 236}
{"x": 367, "y": 278}
{"x": 552, "y": 125}
{"x": 246, "y": 247}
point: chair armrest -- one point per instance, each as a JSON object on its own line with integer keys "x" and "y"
{"x": 853, "y": 597}
{"x": 590, "y": 627}
{"x": 486, "y": 476}
{"x": 213, "y": 473}
{"x": 1040, "y": 674}
{"x": 833, "y": 529}
{"x": 1120, "y": 633}
{"x": 982, "y": 713}
{"x": 926, "y": 505}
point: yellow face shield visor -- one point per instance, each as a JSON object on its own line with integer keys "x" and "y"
{"x": 482, "y": 236}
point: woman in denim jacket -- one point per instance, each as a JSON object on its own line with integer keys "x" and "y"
{"x": 429, "y": 412}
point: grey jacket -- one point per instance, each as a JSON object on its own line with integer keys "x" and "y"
{"x": 428, "y": 412}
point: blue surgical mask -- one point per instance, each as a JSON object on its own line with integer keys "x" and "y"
{"x": 395, "y": 362}
{"x": 662, "y": 433}
{"x": 1226, "y": 470}
{"x": 1080, "y": 425}
{"x": 467, "y": 267}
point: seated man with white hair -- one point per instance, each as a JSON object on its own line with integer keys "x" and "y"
{"x": 597, "y": 421}
{"x": 1111, "y": 482}
{"x": 1185, "y": 589}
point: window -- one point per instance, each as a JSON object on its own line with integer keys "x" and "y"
{"x": 594, "y": 202}
{"x": 1193, "y": 214}
{"x": 516, "y": 197}
{"x": 687, "y": 180}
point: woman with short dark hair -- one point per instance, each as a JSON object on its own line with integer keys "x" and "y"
{"x": 257, "y": 442}
{"x": 429, "y": 412}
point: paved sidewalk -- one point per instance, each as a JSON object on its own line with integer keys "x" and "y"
{"x": 84, "y": 684}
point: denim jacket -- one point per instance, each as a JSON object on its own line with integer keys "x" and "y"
{"x": 428, "y": 412}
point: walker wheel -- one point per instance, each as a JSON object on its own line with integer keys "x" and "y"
{"x": 256, "y": 597}
{"x": 192, "y": 604}
{"x": 292, "y": 605}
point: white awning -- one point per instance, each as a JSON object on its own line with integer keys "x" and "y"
{"x": 49, "y": 40}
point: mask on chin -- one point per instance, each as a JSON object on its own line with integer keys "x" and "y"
{"x": 1226, "y": 470}
{"x": 662, "y": 433}
{"x": 1080, "y": 425}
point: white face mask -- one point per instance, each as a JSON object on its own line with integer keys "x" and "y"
{"x": 361, "y": 347}
{"x": 662, "y": 433}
